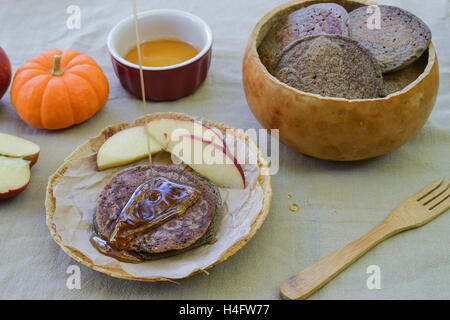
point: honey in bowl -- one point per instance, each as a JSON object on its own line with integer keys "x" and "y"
{"x": 162, "y": 53}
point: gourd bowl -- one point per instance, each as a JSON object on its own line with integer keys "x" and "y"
{"x": 337, "y": 128}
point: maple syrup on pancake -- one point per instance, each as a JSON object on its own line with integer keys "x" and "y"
{"x": 154, "y": 202}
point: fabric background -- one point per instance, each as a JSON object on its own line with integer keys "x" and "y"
{"x": 338, "y": 201}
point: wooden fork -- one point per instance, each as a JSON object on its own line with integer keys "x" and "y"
{"x": 418, "y": 210}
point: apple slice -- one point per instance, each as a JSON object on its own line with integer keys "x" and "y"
{"x": 125, "y": 147}
{"x": 15, "y": 147}
{"x": 165, "y": 130}
{"x": 210, "y": 160}
{"x": 14, "y": 176}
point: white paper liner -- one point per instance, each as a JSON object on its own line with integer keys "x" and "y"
{"x": 76, "y": 194}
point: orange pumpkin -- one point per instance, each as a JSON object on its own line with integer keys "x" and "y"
{"x": 58, "y": 89}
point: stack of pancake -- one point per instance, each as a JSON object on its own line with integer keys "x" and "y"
{"x": 325, "y": 50}
{"x": 195, "y": 227}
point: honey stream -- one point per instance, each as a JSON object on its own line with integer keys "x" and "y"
{"x": 141, "y": 77}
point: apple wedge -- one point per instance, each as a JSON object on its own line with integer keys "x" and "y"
{"x": 14, "y": 176}
{"x": 210, "y": 160}
{"x": 15, "y": 147}
{"x": 165, "y": 130}
{"x": 125, "y": 147}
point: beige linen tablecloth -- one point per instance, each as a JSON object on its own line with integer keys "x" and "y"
{"x": 338, "y": 201}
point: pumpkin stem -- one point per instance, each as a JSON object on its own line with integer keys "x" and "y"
{"x": 56, "y": 70}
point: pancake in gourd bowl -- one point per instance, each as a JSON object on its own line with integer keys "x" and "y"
{"x": 316, "y": 19}
{"x": 331, "y": 66}
{"x": 81, "y": 199}
{"x": 399, "y": 40}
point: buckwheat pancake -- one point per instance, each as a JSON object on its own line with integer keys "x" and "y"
{"x": 401, "y": 39}
{"x": 398, "y": 80}
{"x": 331, "y": 66}
{"x": 191, "y": 229}
{"x": 321, "y": 18}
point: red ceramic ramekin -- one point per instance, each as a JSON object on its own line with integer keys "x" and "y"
{"x": 162, "y": 83}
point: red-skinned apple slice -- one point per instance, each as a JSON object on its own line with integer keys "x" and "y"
{"x": 210, "y": 160}
{"x": 14, "y": 176}
{"x": 15, "y": 147}
{"x": 125, "y": 147}
{"x": 165, "y": 130}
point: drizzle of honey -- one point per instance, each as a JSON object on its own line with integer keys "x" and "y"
{"x": 152, "y": 204}
{"x": 101, "y": 243}
{"x": 162, "y": 53}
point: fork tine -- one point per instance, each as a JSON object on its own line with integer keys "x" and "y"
{"x": 435, "y": 193}
{"x": 429, "y": 188}
{"x": 438, "y": 200}
{"x": 441, "y": 207}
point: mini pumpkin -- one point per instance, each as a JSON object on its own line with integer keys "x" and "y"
{"x": 58, "y": 89}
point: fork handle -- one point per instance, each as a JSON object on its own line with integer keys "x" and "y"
{"x": 307, "y": 281}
